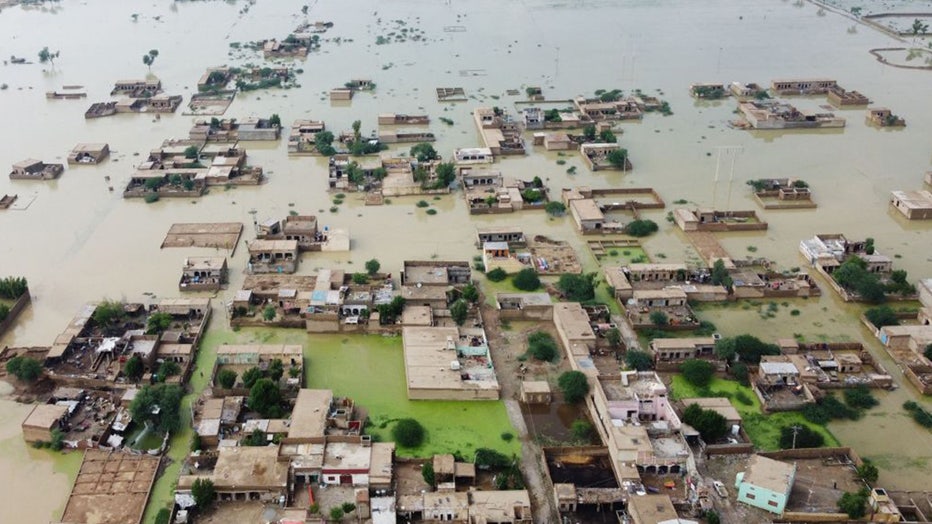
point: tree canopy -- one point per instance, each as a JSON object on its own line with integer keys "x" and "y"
{"x": 574, "y": 385}
{"x": 710, "y": 424}
{"x": 638, "y": 360}
{"x": 748, "y": 348}
{"x": 526, "y": 279}
{"x": 577, "y": 288}
{"x": 424, "y": 152}
{"x": 542, "y": 346}
{"x": 697, "y": 372}
{"x": 408, "y": 432}
{"x": 265, "y": 398}
{"x": 160, "y": 405}
{"x": 23, "y": 368}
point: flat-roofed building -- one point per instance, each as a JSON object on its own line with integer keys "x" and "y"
{"x": 914, "y": 205}
{"x": 88, "y": 154}
{"x": 309, "y": 416}
{"x": 245, "y": 473}
{"x": 203, "y": 274}
{"x": 766, "y": 484}
{"x": 42, "y": 420}
{"x": 441, "y": 363}
{"x": 574, "y": 329}
{"x": 680, "y": 349}
{"x": 654, "y": 509}
{"x": 536, "y": 392}
{"x": 346, "y": 464}
{"x": 272, "y": 256}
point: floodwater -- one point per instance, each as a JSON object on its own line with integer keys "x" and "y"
{"x": 78, "y": 241}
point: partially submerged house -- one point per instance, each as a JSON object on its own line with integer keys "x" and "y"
{"x": 400, "y": 119}
{"x": 42, "y": 420}
{"x": 137, "y": 88}
{"x": 203, "y": 274}
{"x": 305, "y": 230}
{"x": 804, "y": 86}
{"x": 914, "y": 205}
{"x": 303, "y": 136}
{"x": 600, "y": 156}
{"x": 32, "y": 169}
{"x": 88, "y": 154}
{"x": 883, "y": 117}
{"x": 272, "y": 256}
{"x": 773, "y": 114}
{"x": 500, "y": 133}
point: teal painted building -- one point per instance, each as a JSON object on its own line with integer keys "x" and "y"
{"x": 766, "y": 484}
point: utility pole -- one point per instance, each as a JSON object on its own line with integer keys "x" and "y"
{"x": 795, "y": 429}
{"x": 726, "y": 151}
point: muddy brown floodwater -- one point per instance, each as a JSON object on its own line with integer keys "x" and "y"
{"x": 78, "y": 241}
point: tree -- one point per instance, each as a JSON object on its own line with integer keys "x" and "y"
{"x": 203, "y": 492}
{"x": 805, "y": 437}
{"x": 373, "y": 266}
{"x": 149, "y": 58}
{"x": 268, "y": 313}
{"x": 554, "y": 208}
{"x": 251, "y": 376}
{"x": 860, "y": 397}
{"x": 574, "y": 385}
{"x": 613, "y": 336}
{"x": 323, "y": 141}
{"x": 360, "y": 279}
{"x": 226, "y": 378}
{"x": 275, "y": 120}
{"x": 719, "y": 273}
{"x": 336, "y": 513}
{"x": 577, "y": 288}
{"x": 542, "y": 346}
{"x": 589, "y": 132}
{"x": 12, "y": 288}
{"x": 581, "y": 429}
{"x": 134, "y": 368}
{"x": 711, "y": 425}
{"x": 725, "y": 349}
{"x": 919, "y": 27}
{"x": 276, "y": 369}
{"x": 526, "y": 279}
{"x": 46, "y": 56}
{"x": 608, "y": 136}
{"x": 157, "y": 323}
{"x": 58, "y": 439}
{"x": 618, "y": 158}
{"x": 497, "y": 275}
{"x": 24, "y": 368}
{"x": 424, "y": 152}
{"x": 748, "y": 348}
{"x": 928, "y": 352}
{"x": 168, "y": 368}
{"x": 255, "y": 439}
{"x": 427, "y": 471}
{"x": 882, "y": 316}
{"x": 638, "y": 360}
{"x": 471, "y": 293}
{"x": 641, "y": 228}
{"x": 867, "y": 472}
{"x": 265, "y": 398}
{"x": 697, "y": 372}
{"x": 408, "y": 433}
{"x": 854, "y": 504}
{"x": 659, "y": 318}
{"x": 446, "y": 174}
{"x": 192, "y": 152}
{"x": 169, "y": 417}
{"x": 108, "y": 311}
{"x": 458, "y": 311}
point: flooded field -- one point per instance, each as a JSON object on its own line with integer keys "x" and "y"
{"x": 78, "y": 241}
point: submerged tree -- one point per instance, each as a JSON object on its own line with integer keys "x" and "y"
{"x": 46, "y": 56}
{"x": 149, "y": 58}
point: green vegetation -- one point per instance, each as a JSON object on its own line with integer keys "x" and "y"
{"x": 638, "y": 360}
{"x": 424, "y": 152}
{"x": 46, "y": 56}
{"x": 919, "y": 414}
{"x": 659, "y": 318}
{"x": 497, "y": 275}
{"x": 641, "y": 228}
{"x": 373, "y": 266}
{"x": 613, "y": 336}
{"x": 4, "y": 312}
{"x": 226, "y": 378}
{"x": 581, "y": 430}
{"x": 427, "y": 472}
{"x": 165, "y": 397}
{"x": 251, "y": 376}
{"x": 542, "y": 346}
{"x": 458, "y": 311}
{"x": 107, "y": 312}
{"x": 608, "y": 136}
{"x": 388, "y": 313}
{"x": 323, "y": 141}
{"x": 471, "y": 293}
{"x": 134, "y": 368}
{"x": 709, "y": 92}
{"x": 618, "y": 158}
{"x": 709, "y": 423}
{"x": 360, "y": 279}
{"x": 157, "y": 323}
{"x": 698, "y": 372}
{"x": 256, "y": 438}
{"x": 149, "y": 58}
{"x": 720, "y": 276}
{"x": 574, "y": 385}
{"x": 526, "y": 280}
{"x": 203, "y": 492}
{"x": 868, "y": 472}
{"x": 554, "y": 208}
{"x": 854, "y": 504}
{"x": 577, "y": 288}
{"x": 265, "y": 398}
{"x": 748, "y": 348}
{"x": 408, "y": 432}
{"x": 552, "y": 115}
{"x": 860, "y": 397}
{"x": 12, "y": 288}
{"x": 26, "y": 369}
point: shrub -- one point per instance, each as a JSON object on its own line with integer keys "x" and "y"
{"x": 508, "y": 436}
{"x": 458, "y": 311}
{"x": 151, "y": 198}
{"x": 574, "y": 385}
{"x": 526, "y": 280}
{"x": 251, "y": 376}
{"x": 867, "y": 472}
{"x": 268, "y": 314}
{"x": 203, "y": 492}
{"x": 348, "y": 507}
{"x": 613, "y": 336}
{"x": 157, "y": 323}
{"x": 659, "y": 318}
{"x": 408, "y": 433}
{"x": 577, "y": 288}
{"x": 581, "y": 429}
{"x": 471, "y": 293}
{"x": 24, "y": 368}
{"x": 882, "y": 316}
{"x": 920, "y": 415}
{"x": 167, "y": 369}
{"x": 854, "y": 504}
{"x": 639, "y": 360}
{"x": 554, "y": 208}
{"x": 697, "y": 372}
{"x": 373, "y": 266}
{"x": 860, "y": 398}
{"x": 134, "y": 368}
{"x": 641, "y": 228}
{"x": 12, "y": 288}
{"x": 710, "y": 424}
{"x": 427, "y": 472}
{"x": 422, "y": 203}
{"x": 497, "y": 275}
{"x": 360, "y": 279}
{"x": 489, "y": 458}
{"x": 542, "y": 346}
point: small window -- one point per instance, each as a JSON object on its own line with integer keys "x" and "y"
{"x": 750, "y": 496}
{"x": 772, "y": 503}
